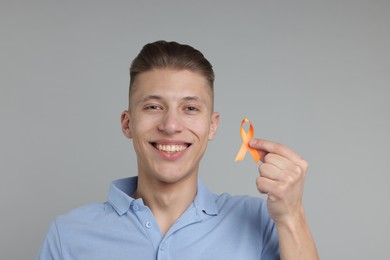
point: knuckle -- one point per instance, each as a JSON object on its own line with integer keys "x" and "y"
{"x": 297, "y": 169}
{"x": 261, "y": 167}
{"x": 303, "y": 163}
{"x": 280, "y": 149}
{"x": 260, "y": 184}
{"x": 269, "y": 157}
{"x": 290, "y": 179}
{"x": 258, "y": 181}
{"x": 260, "y": 142}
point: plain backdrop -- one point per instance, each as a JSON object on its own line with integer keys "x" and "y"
{"x": 313, "y": 75}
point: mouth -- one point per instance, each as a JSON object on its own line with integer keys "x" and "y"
{"x": 171, "y": 148}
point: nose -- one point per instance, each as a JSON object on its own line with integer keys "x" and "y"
{"x": 170, "y": 123}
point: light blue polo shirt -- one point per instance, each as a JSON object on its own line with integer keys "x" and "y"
{"x": 213, "y": 227}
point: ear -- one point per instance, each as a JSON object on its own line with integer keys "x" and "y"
{"x": 213, "y": 125}
{"x": 125, "y": 122}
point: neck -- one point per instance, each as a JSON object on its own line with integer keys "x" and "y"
{"x": 167, "y": 201}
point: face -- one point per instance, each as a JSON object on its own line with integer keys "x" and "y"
{"x": 170, "y": 120}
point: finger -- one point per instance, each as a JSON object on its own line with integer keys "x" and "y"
{"x": 262, "y": 154}
{"x": 276, "y": 148}
{"x": 279, "y": 161}
{"x": 265, "y": 185}
{"x": 270, "y": 171}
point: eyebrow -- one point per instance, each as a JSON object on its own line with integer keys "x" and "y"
{"x": 188, "y": 98}
{"x": 192, "y": 98}
{"x": 147, "y": 98}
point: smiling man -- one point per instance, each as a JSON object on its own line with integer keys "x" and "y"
{"x": 165, "y": 212}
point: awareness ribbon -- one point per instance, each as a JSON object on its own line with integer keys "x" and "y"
{"x": 245, "y": 142}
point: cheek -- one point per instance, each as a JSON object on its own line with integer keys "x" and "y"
{"x": 141, "y": 124}
{"x": 138, "y": 131}
{"x": 201, "y": 129}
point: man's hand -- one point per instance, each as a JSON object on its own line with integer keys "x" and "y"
{"x": 282, "y": 176}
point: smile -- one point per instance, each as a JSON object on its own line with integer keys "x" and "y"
{"x": 171, "y": 148}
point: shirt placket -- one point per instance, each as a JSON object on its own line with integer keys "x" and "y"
{"x": 148, "y": 223}
{"x": 190, "y": 216}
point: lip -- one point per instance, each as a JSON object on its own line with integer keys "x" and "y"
{"x": 167, "y": 155}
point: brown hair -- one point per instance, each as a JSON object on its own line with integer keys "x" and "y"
{"x": 172, "y": 55}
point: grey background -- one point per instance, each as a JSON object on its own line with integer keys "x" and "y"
{"x": 313, "y": 75}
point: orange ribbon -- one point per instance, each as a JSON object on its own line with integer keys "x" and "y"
{"x": 245, "y": 142}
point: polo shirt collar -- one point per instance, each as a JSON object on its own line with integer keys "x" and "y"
{"x": 205, "y": 201}
{"x": 120, "y": 191}
{"x": 119, "y": 195}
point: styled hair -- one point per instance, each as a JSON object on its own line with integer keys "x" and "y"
{"x": 171, "y": 55}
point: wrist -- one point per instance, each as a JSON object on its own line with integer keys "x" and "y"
{"x": 294, "y": 221}
{"x": 295, "y": 239}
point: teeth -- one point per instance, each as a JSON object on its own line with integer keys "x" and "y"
{"x": 170, "y": 148}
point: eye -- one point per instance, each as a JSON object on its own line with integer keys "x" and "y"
{"x": 152, "y": 107}
{"x": 191, "y": 109}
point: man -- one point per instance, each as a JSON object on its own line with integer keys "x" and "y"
{"x": 166, "y": 212}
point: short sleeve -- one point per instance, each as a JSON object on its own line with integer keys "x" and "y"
{"x": 51, "y": 247}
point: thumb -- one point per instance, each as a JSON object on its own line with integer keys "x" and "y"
{"x": 254, "y": 143}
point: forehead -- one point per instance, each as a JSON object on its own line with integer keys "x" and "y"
{"x": 171, "y": 83}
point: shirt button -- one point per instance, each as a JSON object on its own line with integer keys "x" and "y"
{"x": 148, "y": 224}
{"x": 135, "y": 207}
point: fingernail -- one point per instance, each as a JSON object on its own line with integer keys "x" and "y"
{"x": 252, "y": 142}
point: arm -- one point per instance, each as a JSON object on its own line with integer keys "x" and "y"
{"x": 281, "y": 177}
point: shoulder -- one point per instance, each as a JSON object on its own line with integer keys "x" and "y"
{"x": 85, "y": 210}
{"x": 83, "y": 215}
{"x": 83, "y": 222}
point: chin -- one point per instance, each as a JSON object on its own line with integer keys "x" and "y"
{"x": 173, "y": 177}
